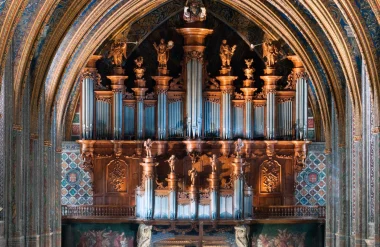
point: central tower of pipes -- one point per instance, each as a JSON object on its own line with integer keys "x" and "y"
{"x": 194, "y": 36}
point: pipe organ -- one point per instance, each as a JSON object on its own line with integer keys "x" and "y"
{"x": 198, "y": 119}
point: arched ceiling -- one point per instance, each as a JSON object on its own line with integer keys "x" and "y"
{"x": 52, "y": 40}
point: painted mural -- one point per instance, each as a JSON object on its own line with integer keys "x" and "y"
{"x": 76, "y": 188}
{"x": 311, "y": 181}
{"x": 292, "y": 235}
{"x": 99, "y": 235}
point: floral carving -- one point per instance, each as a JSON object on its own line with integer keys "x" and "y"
{"x": 270, "y": 177}
{"x": 117, "y": 175}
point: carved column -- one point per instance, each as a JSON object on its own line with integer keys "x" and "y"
{"x": 162, "y": 87}
{"x": 90, "y": 78}
{"x": 194, "y": 48}
{"x": 227, "y": 89}
{"x": 118, "y": 89}
{"x": 148, "y": 184}
{"x": 214, "y": 194}
{"x": 270, "y": 93}
{"x": 193, "y": 195}
{"x": 172, "y": 186}
{"x": 374, "y": 233}
{"x": 238, "y": 183}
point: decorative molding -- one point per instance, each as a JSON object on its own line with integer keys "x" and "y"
{"x": 48, "y": 144}
{"x": 357, "y": 138}
{"x": 376, "y": 130}
{"x": 117, "y": 176}
{"x": 17, "y": 127}
{"x": 270, "y": 177}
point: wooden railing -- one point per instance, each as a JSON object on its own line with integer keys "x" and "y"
{"x": 265, "y": 212}
{"x": 97, "y": 211}
{"x": 262, "y": 212}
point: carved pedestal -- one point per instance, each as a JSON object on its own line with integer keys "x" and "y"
{"x": 238, "y": 183}
{"x": 172, "y": 186}
{"x": 148, "y": 184}
{"x": 214, "y": 195}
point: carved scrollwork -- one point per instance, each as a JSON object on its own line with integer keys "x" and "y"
{"x": 213, "y": 100}
{"x": 129, "y": 95}
{"x": 282, "y": 100}
{"x": 227, "y": 91}
{"x": 302, "y": 75}
{"x": 162, "y": 91}
{"x": 270, "y": 176}
{"x": 104, "y": 99}
{"x": 239, "y": 95}
{"x": 150, "y": 96}
{"x": 87, "y": 158}
{"x": 291, "y": 82}
{"x": 117, "y": 174}
{"x": 197, "y": 55}
{"x": 300, "y": 163}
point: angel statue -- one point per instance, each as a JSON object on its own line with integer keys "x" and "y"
{"x": 163, "y": 53}
{"x": 171, "y": 162}
{"x": 118, "y": 52}
{"x": 241, "y": 236}
{"x": 270, "y": 52}
{"x": 148, "y": 146}
{"x": 193, "y": 175}
{"x": 226, "y": 53}
{"x": 238, "y": 146}
{"x": 213, "y": 162}
{"x": 144, "y": 235}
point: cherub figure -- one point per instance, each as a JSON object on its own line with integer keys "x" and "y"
{"x": 171, "y": 162}
{"x": 148, "y": 147}
{"x": 226, "y": 53}
{"x": 118, "y": 52}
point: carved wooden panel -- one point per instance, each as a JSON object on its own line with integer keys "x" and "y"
{"x": 117, "y": 173}
{"x": 270, "y": 177}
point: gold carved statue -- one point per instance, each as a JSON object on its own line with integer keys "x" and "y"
{"x": 139, "y": 70}
{"x": 163, "y": 53}
{"x": 118, "y": 52}
{"x": 193, "y": 175}
{"x": 213, "y": 161}
{"x": 270, "y": 52}
{"x": 171, "y": 162}
{"x": 248, "y": 72}
{"x": 226, "y": 53}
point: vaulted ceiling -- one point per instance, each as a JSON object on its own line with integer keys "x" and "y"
{"x": 51, "y": 40}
